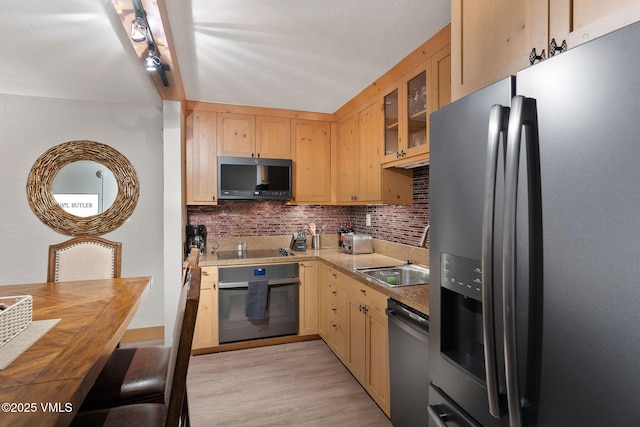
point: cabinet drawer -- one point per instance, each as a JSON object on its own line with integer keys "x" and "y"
{"x": 335, "y": 312}
{"x": 336, "y": 295}
{"x": 368, "y": 296}
{"x": 209, "y": 274}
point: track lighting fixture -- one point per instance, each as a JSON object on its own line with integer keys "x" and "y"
{"x": 153, "y": 61}
{"x": 138, "y": 29}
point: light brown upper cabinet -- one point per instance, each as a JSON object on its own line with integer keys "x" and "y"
{"x": 273, "y": 137}
{"x": 358, "y": 156}
{"x": 344, "y": 165}
{"x": 311, "y": 155}
{"x": 236, "y": 135}
{"x": 493, "y": 39}
{"x": 246, "y": 135}
{"x": 578, "y": 21}
{"x": 408, "y": 100}
{"x": 201, "y": 161}
{"x": 359, "y": 176}
{"x": 407, "y": 106}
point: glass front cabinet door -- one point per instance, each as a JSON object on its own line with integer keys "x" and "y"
{"x": 391, "y": 124}
{"x": 405, "y": 115}
{"x": 416, "y": 114}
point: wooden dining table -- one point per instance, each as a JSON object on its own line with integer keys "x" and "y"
{"x": 46, "y": 384}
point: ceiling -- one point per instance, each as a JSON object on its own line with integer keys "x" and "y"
{"x": 307, "y": 55}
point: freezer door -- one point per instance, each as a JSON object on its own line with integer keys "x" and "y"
{"x": 587, "y": 100}
{"x": 443, "y": 412}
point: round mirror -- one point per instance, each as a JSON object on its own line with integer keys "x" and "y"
{"x": 82, "y": 188}
{"x": 85, "y": 188}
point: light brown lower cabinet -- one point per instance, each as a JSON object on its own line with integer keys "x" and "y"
{"x": 332, "y": 326}
{"x": 368, "y": 342}
{"x": 353, "y": 323}
{"x": 308, "y": 298}
{"x": 206, "y": 331}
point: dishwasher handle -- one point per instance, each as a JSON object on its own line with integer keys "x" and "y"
{"x": 418, "y": 333}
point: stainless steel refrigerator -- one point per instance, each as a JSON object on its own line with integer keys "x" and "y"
{"x": 535, "y": 245}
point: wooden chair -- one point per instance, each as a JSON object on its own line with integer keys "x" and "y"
{"x": 193, "y": 258}
{"x": 84, "y": 258}
{"x": 192, "y": 261}
{"x": 147, "y": 385}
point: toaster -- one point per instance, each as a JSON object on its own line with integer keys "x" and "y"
{"x": 357, "y": 244}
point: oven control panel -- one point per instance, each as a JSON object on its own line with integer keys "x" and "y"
{"x": 246, "y": 273}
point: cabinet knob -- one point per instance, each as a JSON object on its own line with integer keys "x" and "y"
{"x": 334, "y": 309}
{"x": 335, "y": 275}
{"x": 204, "y": 273}
{"x": 334, "y": 292}
{"x": 364, "y": 291}
{"x": 333, "y": 325}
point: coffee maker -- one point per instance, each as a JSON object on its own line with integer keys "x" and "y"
{"x": 196, "y": 238}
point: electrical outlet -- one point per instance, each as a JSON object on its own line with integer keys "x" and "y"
{"x": 368, "y": 220}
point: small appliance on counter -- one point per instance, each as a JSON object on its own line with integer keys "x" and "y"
{"x": 357, "y": 244}
{"x": 196, "y": 238}
{"x": 299, "y": 241}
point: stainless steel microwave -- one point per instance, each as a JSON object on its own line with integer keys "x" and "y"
{"x": 254, "y": 178}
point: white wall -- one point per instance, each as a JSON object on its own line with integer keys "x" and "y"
{"x": 28, "y": 127}
{"x": 174, "y": 213}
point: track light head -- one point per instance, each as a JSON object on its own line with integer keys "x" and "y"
{"x": 139, "y": 29}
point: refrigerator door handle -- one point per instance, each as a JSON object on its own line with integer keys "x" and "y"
{"x": 523, "y": 114}
{"x": 498, "y": 120}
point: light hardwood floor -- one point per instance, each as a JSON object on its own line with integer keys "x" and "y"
{"x": 297, "y": 384}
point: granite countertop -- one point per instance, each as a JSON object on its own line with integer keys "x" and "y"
{"x": 415, "y": 296}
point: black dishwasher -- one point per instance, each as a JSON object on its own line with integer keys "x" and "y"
{"x": 408, "y": 364}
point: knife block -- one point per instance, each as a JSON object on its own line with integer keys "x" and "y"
{"x": 298, "y": 244}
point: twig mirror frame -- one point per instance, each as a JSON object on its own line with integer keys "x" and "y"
{"x": 44, "y": 205}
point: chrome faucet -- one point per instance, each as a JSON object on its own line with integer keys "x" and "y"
{"x": 423, "y": 239}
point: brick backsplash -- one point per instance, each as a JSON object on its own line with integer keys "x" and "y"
{"x": 260, "y": 218}
{"x": 393, "y": 223}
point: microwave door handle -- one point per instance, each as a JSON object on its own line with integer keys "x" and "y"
{"x": 523, "y": 114}
{"x": 498, "y": 119}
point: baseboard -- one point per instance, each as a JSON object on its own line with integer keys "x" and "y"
{"x": 143, "y": 334}
{"x": 254, "y": 343}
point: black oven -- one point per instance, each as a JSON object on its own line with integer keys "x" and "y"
{"x": 257, "y": 302}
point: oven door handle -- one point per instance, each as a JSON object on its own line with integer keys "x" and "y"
{"x": 272, "y": 282}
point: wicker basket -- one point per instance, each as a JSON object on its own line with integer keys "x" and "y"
{"x": 16, "y": 318}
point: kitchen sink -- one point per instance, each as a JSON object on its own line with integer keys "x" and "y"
{"x": 399, "y": 275}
